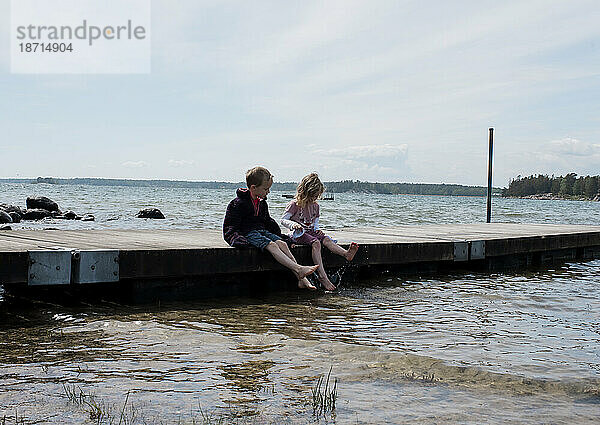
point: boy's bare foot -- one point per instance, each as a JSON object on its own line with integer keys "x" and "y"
{"x": 351, "y": 252}
{"x": 305, "y": 271}
{"x": 305, "y": 284}
{"x": 326, "y": 283}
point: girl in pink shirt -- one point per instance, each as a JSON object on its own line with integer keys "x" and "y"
{"x": 301, "y": 216}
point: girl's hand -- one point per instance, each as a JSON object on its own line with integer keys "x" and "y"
{"x": 297, "y": 226}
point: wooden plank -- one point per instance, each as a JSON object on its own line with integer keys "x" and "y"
{"x": 193, "y": 252}
{"x": 11, "y": 241}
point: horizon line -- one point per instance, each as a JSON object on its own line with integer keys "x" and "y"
{"x": 4, "y": 179}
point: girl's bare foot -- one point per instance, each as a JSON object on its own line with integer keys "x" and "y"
{"x": 305, "y": 284}
{"x": 304, "y": 271}
{"x": 351, "y": 252}
{"x": 326, "y": 283}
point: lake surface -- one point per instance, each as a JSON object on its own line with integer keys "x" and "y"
{"x": 468, "y": 348}
{"x": 116, "y": 207}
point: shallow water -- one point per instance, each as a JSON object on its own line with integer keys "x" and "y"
{"x": 468, "y": 348}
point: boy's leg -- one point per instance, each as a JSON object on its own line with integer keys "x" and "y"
{"x": 348, "y": 254}
{"x": 316, "y": 255}
{"x": 300, "y": 271}
{"x": 303, "y": 283}
{"x": 286, "y": 249}
{"x": 274, "y": 244}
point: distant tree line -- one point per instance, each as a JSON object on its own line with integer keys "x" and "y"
{"x": 565, "y": 186}
{"x": 333, "y": 187}
{"x": 407, "y": 188}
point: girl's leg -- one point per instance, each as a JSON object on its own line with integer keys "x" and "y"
{"x": 351, "y": 251}
{"x": 348, "y": 254}
{"x": 316, "y": 255}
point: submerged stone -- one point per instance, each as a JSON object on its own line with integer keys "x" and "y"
{"x": 150, "y": 213}
{"x": 16, "y": 217}
{"x": 5, "y": 217}
{"x": 11, "y": 208}
{"x": 36, "y": 214}
{"x": 70, "y": 215}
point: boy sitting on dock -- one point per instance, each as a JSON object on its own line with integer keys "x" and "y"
{"x": 247, "y": 222}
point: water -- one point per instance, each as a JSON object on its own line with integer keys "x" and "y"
{"x": 467, "y": 348}
{"x": 116, "y": 207}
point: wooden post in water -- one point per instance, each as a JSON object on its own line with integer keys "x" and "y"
{"x": 489, "y": 188}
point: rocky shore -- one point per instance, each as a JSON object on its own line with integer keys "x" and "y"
{"x": 555, "y": 197}
{"x": 41, "y": 207}
{"x": 38, "y": 208}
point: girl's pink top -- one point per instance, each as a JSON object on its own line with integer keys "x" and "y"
{"x": 307, "y": 216}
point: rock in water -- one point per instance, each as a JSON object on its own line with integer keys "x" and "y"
{"x": 70, "y": 215}
{"x": 36, "y": 214}
{"x": 88, "y": 217}
{"x": 16, "y": 217}
{"x": 11, "y": 208}
{"x": 41, "y": 202}
{"x": 5, "y": 228}
{"x": 5, "y": 217}
{"x": 150, "y": 213}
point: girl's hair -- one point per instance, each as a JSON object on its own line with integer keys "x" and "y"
{"x": 309, "y": 189}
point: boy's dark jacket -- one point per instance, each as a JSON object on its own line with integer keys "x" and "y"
{"x": 240, "y": 219}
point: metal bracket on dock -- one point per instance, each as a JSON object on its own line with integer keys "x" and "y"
{"x": 49, "y": 267}
{"x": 65, "y": 266}
{"x": 469, "y": 250}
{"x": 477, "y": 251}
{"x": 95, "y": 266}
{"x": 461, "y": 251}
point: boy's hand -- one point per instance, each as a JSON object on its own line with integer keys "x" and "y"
{"x": 297, "y": 226}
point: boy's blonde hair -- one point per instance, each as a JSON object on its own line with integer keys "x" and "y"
{"x": 257, "y": 176}
{"x": 309, "y": 189}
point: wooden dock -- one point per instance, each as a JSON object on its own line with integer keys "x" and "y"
{"x": 33, "y": 258}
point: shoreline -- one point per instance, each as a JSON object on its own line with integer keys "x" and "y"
{"x": 343, "y": 186}
{"x": 554, "y": 197}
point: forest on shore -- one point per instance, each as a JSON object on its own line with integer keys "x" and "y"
{"x": 331, "y": 187}
{"x": 569, "y": 186}
{"x": 539, "y": 186}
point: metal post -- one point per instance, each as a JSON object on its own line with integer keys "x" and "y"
{"x": 489, "y": 188}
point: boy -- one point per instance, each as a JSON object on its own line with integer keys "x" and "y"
{"x": 247, "y": 222}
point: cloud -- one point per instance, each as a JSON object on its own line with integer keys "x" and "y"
{"x": 385, "y": 162}
{"x": 573, "y": 147}
{"x": 135, "y": 164}
{"x": 336, "y": 87}
{"x": 4, "y": 36}
{"x": 368, "y": 152}
{"x": 180, "y": 162}
{"x": 556, "y": 157}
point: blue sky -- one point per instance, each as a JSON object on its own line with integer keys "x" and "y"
{"x": 378, "y": 90}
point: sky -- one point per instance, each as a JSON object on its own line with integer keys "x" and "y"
{"x": 388, "y": 91}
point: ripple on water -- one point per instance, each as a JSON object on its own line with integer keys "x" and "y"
{"x": 523, "y": 345}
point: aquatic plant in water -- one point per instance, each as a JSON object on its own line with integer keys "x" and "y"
{"x": 99, "y": 411}
{"x": 324, "y": 396}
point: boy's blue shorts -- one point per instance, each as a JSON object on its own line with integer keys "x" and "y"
{"x": 261, "y": 238}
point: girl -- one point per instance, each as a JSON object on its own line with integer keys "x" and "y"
{"x": 301, "y": 216}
